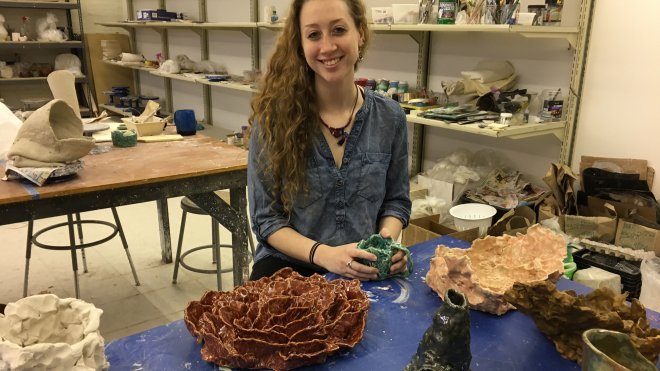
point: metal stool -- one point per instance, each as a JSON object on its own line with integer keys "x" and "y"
{"x": 190, "y": 207}
{"x": 72, "y": 246}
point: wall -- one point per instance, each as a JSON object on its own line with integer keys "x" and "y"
{"x": 543, "y": 63}
{"x": 617, "y": 115}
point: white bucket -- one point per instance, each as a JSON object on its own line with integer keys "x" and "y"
{"x": 473, "y": 215}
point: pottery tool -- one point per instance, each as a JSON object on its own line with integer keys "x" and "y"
{"x": 160, "y": 138}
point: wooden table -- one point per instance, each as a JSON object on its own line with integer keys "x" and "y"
{"x": 194, "y": 167}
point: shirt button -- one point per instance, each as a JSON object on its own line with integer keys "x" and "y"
{"x": 340, "y": 183}
{"x": 340, "y": 204}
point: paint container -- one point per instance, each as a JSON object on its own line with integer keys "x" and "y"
{"x": 184, "y": 120}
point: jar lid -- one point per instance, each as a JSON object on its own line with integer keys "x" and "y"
{"x": 506, "y": 114}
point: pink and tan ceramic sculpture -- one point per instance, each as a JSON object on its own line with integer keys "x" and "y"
{"x": 563, "y": 316}
{"x": 492, "y": 265}
{"x": 44, "y": 332}
{"x": 279, "y": 322}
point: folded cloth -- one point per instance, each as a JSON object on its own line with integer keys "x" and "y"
{"x": 474, "y": 87}
{"x": 489, "y": 70}
{"x": 50, "y": 137}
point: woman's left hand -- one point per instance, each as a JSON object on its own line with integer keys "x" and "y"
{"x": 399, "y": 260}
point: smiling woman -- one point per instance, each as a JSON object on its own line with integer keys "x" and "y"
{"x": 328, "y": 163}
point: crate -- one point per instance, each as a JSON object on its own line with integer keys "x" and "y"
{"x": 631, "y": 275}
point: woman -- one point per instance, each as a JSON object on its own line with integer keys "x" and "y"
{"x": 328, "y": 162}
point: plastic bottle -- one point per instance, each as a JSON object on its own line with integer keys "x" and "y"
{"x": 274, "y": 17}
{"x": 446, "y": 11}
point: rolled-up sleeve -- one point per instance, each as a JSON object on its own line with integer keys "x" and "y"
{"x": 267, "y": 216}
{"x": 397, "y": 194}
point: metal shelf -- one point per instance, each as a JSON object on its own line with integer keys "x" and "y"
{"x": 240, "y": 26}
{"x": 513, "y": 132}
{"x": 40, "y": 45}
{"x": 118, "y": 110}
{"x": 200, "y": 80}
{"x": 39, "y": 4}
{"x": 132, "y": 67}
{"x": 33, "y": 79}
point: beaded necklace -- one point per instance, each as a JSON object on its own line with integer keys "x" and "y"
{"x": 341, "y": 132}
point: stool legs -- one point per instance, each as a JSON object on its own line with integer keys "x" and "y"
{"x": 80, "y": 238}
{"x": 177, "y": 259}
{"x": 28, "y": 255}
{"x": 125, "y": 244}
{"x": 74, "y": 257}
{"x": 215, "y": 242}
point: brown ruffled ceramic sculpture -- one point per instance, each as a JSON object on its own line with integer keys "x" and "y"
{"x": 563, "y": 316}
{"x": 279, "y": 322}
{"x": 491, "y": 266}
{"x": 445, "y": 345}
{"x": 50, "y": 137}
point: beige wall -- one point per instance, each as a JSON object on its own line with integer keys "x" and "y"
{"x": 102, "y": 11}
{"x": 618, "y": 115}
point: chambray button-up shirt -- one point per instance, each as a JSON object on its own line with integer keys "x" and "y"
{"x": 344, "y": 205}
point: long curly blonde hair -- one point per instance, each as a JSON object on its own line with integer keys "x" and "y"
{"x": 286, "y": 109}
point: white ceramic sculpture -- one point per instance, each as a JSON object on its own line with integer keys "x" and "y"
{"x": 47, "y": 29}
{"x": 44, "y": 332}
{"x": 3, "y": 30}
{"x": 50, "y": 137}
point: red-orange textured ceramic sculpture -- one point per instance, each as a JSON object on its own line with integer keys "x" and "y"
{"x": 486, "y": 270}
{"x": 563, "y": 316}
{"x": 279, "y": 322}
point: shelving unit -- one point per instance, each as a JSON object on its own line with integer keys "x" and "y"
{"x": 576, "y": 38}
{"x": 200, "y": 27}
{"x": 77, "y": 47}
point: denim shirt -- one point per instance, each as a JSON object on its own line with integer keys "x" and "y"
{"x": 343, "y": 205}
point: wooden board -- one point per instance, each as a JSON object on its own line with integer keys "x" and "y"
{"x": 104, "y": 75}
{"x": 160, "y": 138}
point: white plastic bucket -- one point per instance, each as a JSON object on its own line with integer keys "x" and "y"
{"x": 473, "y": 215}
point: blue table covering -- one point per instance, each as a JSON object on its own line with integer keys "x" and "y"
{"x": 399, "y": 314}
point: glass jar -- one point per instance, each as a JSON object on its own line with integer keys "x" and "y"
{"x": 552, "y": 105}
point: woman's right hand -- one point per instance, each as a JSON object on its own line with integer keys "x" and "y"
{"x": 343, "y": 260}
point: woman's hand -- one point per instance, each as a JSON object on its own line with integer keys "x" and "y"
{"x": 399, "y": 260}
{"x": 342, "y": 260}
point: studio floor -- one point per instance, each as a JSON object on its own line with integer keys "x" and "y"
{"x": 109, "y": 284}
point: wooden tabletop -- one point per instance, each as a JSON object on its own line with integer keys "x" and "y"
{"x": 147, "y": 162}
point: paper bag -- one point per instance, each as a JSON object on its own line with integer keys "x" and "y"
{"x": 637, "y": 237}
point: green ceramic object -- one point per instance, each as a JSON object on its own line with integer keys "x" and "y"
{"x": 605, "y": 350}
{"x": 445, "y": 345}
{"x": 121, "y": 127}
{"x": 384, "y": 249}
{"x": 124, "y": 138}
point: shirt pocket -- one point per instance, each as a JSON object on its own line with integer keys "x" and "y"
{"x": 305, "y": 199}
{"x": 373, "y": 176}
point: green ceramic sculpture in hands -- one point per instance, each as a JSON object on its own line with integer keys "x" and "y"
{"x": 384, "y": 249}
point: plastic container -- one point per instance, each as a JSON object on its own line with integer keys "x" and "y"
{"x": 650, "y": 269}
{"x": 473, "y": 215}
{"x": 631, "y": 277}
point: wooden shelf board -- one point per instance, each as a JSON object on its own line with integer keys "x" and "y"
{"x": 118, "y": 110}
{"x": 33, "y": 79}
{"x": 513, "y": 132}
{"x": 229, "y": 85}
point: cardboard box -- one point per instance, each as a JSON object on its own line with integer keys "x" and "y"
{"x": 619, "y": 165}
{"x": 428, "y": 228}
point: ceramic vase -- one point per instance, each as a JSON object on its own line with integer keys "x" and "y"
{"x": 446, "y": 344}
{"x": 605, "y": 350}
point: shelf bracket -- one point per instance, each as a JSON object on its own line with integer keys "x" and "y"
{"x": 417, "y": 36}
{"x": 570, "y": 37}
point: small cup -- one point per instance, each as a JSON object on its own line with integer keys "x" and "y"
{"x": 184, "y": 120}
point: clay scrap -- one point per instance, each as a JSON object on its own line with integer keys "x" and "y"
{"x": 563, "y": 316}
{"x": 279, "y": 322}
{"x": 44, "y": 332}
{"x": 492, "y": 265}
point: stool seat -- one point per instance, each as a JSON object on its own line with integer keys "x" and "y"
{"x": 188, "y": 206}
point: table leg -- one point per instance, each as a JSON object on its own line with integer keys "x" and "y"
{"x": 234, "y": 218}
{"x": 164, "y": 228}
